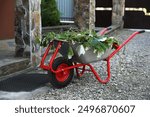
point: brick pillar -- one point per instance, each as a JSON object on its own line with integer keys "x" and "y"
{"x": 84, "y": 14}
{"x": 118, "y": 12}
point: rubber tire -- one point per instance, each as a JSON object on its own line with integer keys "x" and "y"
{"x": 52, "y": 76}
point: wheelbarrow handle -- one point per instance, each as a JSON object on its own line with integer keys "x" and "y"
{"x": 109, "y": 28}
{"x": 124, "y": 43}
{"x": 104, "y": 30}
{"x": 142, "y": 31}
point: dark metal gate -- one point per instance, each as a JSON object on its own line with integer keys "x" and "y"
{"x": 103, "y": 13}
{"x": 137, "y": 14}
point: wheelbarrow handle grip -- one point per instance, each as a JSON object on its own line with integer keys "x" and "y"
{"x": 142, "y": 31}
{"x": 104, "y": 31}
{"x": 124, "y": 43}
{"x": 109, "y": 28}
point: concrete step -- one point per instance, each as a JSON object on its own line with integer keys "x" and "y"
{"x": 13, "y": 65}
{"x": 9, "y": 64}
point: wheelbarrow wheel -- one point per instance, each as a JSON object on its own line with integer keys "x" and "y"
{"x": 62, "y": 79}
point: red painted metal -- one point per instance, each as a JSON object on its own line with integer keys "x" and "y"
{"x": 98, "y": 77}
{"x": 49, "y": 67}
{"x": 79, "y": 74}
{"x": 63, "y": 70}
{"x": 70, "y": 67}
{"x": 54, "y": 56}
{"x": 62, "y": 76}
{"x": 104, "y": 31}
{"x": 42, "y": 65}
{"x": 123, "y": 44}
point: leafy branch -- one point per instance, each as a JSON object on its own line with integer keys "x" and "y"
{"x": 85, "y": 38}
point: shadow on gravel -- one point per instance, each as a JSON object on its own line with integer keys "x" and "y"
{"x": 24, "y": 82}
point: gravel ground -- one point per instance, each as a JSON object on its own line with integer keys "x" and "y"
{"x": 130, "y": 79}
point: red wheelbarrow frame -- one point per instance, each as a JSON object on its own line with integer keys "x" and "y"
{"x": 78, "y": 65}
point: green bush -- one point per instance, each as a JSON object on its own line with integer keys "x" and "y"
{"x": 50, "y": 13}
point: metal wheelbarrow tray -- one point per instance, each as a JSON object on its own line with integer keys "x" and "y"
{"x": 89, "y": 56}
{"x": 61, "y": 69}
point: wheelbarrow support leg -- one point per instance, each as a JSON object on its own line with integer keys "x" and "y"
{"x": 80, "y": 73}
{"x": 98, "y": 77}
{"x": 42, "y": 65}
{"x": 49, "y": 67}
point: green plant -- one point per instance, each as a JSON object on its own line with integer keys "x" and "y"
{"x": 50, "y": 13}
{"x": 86, "y": 40}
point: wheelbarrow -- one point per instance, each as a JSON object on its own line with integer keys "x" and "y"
{"x": 61, "y": 69}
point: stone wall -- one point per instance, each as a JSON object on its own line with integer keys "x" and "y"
{"x": 84, "y": 14}
{"x": 28, "y": 22}
{"x": 35, "y": 30}
{"x": 118, "y": 12}
{"x": 28, "y": 29}
{"x": 22, "y": 38}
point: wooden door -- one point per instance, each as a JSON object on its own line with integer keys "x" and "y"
{"x": 7, "y": 16}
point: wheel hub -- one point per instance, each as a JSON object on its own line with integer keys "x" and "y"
{"x": 62, "y": 76}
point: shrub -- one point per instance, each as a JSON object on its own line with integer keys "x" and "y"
{"x": 50, "y": 13}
